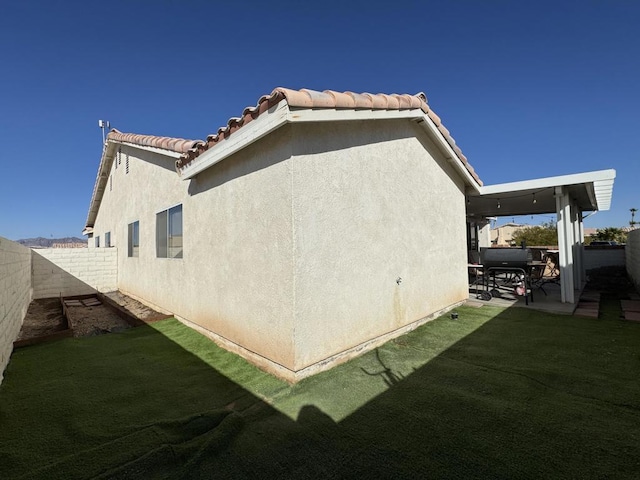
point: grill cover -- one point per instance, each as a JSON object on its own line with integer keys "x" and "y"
{"x": 505, "y": 257}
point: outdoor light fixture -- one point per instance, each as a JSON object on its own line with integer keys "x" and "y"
{"x": 498, "y": 203}
{"x": 534, "y": 199}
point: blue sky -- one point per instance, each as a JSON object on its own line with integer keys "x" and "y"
{"x": 527, "y": 89}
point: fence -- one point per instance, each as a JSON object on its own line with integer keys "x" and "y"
{"x": 603, "y": 256}
{"x": 27, "y": 274}
{"x": 73, "y": 271}
{"x": 633, "y": 257}
{"x": 15, "y": 294}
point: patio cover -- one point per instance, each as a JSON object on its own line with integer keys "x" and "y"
{"x": 568, "y": 196}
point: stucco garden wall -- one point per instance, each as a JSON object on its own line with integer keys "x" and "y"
{"x": 15, "y": 294}
{"x": 603, "y": 256}
{"x": 73, "y": 271}
{"x": 633, "y": 257}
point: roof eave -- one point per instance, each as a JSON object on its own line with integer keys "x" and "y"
{"x": 282, "y": 114}
{"x": 101, "y": 180}
{"x": 106, "y": 161}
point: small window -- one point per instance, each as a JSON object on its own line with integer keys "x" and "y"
{"x": 107, "y": 239}
{"x": 98, "y": 241}
{"x": 134, "y": 239}
{"x": 169, "y": 233}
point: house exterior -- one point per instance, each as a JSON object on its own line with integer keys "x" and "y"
{"x": 314, "y": 227}
{"x": 503, "y": 235}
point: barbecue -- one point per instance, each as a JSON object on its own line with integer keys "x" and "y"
{"x": 511, "y": 261}
{"x": 505, "y": 257}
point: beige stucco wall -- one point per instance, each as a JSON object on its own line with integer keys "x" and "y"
{"x": 15, "y": 294}
{"x": 503, "y": 235}
{"x": 633, "y": 256}
{"x": 371, "y": 206}
{"x": 292, "y": 246}
{"x": 235, "y": 278}
{"x": 73, "y": 271}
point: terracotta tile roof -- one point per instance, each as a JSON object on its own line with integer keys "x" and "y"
{"x": 178, "y": 145}
{"x": 192, "y": 149}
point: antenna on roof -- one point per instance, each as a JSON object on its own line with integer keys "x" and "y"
{"x": 104, "y": 124}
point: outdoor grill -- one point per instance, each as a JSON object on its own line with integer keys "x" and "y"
{"x": 507, "y": 260}
{"x": 505, "y": 257}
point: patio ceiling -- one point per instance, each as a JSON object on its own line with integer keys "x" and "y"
{"x": 591, "y": 191}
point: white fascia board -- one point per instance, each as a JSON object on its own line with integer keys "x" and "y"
{"x": 258, "y": 128}
{"x": 446, "y": 148}
{"x": 161, "y": 151}
{"x": 604, "y": 191}
{"x": 334, "y": 115}
{"x": 605, "y": 176}
{"x": 101, "y": 179}
{"x": 281, "y": 114}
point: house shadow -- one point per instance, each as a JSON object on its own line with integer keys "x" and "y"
{"x": 491, "y": 405}
{"x": 299, "y": 140}
{"x": 50, "y": 280}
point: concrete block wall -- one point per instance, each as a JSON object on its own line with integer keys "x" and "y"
{"x": 74, "y": 271}
{"x": 608, "y": 256}
{"x": 15, "y": 294}
{"x": 633, "y": 257}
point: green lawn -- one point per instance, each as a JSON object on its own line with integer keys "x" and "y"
{"x": 495, "y": 394}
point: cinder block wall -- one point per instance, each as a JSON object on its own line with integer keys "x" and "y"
{"x": 596, "y": 257}
{"x": 15, "y": 294}
{"x": 74, "y": 271}
{"x": 633, "y": 257}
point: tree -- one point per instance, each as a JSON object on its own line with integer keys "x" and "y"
{"x": 538, "y": 236}
{"x": 633, "y": 222}
{"x": 610, "y": 234}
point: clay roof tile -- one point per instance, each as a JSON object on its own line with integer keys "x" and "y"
{"x": 303, "y": 99}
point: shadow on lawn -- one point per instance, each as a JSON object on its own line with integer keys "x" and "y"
{"x": 389, "y": 377}
{"x": 509, "y": 400}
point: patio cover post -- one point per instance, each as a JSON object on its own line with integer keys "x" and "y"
{"x": 580, "y": 276}
{"x": 578, "y": 252}
{"x": 565, "y": 244}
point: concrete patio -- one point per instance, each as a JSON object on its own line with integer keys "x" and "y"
{"x": 548, "y": 300}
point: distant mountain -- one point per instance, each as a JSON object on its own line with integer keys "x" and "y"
{"x": 48, "y": 242}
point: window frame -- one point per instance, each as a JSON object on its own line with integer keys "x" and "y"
{"x": 133, "y": 239}
{"x": 165, "y": 240}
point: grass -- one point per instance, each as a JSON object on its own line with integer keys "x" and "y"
{"x": 495, "y": 394}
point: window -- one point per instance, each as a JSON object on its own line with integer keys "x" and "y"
{"x": 169, "y": 233}
{"x": 107, "y": 239}
{"x": 134, "y": 239}
{"x": 98, "y": 241}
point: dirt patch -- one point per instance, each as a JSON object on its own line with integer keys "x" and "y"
{"x": 85, "y": 316}
{"x": 135, "y": 308}
{"x": 94, "y": 320}
{"x": 44, "y": 317}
